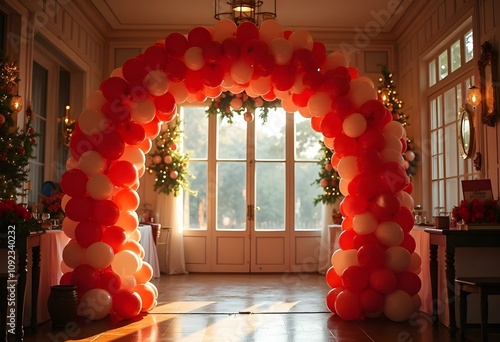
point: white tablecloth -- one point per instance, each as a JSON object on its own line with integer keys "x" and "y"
{"x": 51, "y": 251}
{"x": 150, "y": 253}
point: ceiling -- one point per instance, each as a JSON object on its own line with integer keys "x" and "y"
{"x": 313, "y": 15}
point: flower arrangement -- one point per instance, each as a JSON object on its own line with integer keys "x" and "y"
{"x": 15, "y": 214}
{"x": 52, "y": 205}
{"x": 168, "y": 164}
{"x": 227, "y": 104}
{"x": 337, "y": 217}
{"x": 476, "y": 211}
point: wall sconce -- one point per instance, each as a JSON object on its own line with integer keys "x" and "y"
{"x": 16, "y": 104}
{"x": 68, "y": 127}
{"x": 240, "y": 11}
{"x": 474, "y": 96}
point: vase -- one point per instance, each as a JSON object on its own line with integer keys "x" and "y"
{"x": 62, "y": 305}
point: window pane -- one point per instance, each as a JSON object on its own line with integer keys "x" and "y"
{"x": 434, "y": 117}
{"x": 439, "y": 110}
{"x": 270, "y": 136}
{"x": 231, "y": 195}
{"x": 270, "y": 196}
{"x": 450, "y": 140}
{"x": 443, "y": 65}
{"x": 231, "y": 139}
{"x": 469, "y": 46}
{"x": 195, "y": 128}
{"x": 452, "y": 197}
{"x": 307, "y": 215}
{"x": 450, "y": 109}
{"x": 306, "y": 139}
{"x": 432, "y": 73}
{"x": 456, "y": 60}
{"x": 196, "y": 217}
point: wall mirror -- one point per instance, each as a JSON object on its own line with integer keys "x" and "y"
{"x": 465, "y": 133}
{"x": 487, "y": 70}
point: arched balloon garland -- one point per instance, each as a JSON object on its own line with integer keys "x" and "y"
{"x": 374, "y": 272}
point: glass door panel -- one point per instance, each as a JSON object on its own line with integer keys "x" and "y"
{"x": 270, "y": 196}
{"x": 231, "y": 196}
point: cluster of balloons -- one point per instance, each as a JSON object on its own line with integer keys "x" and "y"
{"x": 372, "y": 273}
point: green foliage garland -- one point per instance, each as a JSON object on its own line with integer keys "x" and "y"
{"x": 328, "y": 178}
{"x": 227, "y": 104}
{"x": 16, "y": 145}
{"x": 169, "y": 165}
{"x": 387, "y": 90}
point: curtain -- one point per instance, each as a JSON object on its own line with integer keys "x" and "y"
{"x": 324, "y": 252}
{"x": 170, "y": 216}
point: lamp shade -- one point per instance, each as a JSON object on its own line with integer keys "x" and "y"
{"x": 474, "y": 96}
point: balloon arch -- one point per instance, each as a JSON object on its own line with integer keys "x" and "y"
{"x": 375, "y": 270}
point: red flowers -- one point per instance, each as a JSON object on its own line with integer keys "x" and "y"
{"x": 476, "y": 211}
{"x": 15, "y": 214}
{"x": 52, "y": 205}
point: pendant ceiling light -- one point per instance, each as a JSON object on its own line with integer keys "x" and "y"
{"x": 241, "y": 11}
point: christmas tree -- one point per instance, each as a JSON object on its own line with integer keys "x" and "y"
{"x": 387, "y": 91}
{"x": 16, "y": 144}
{"x": 168, "y": 164}
{"x": 328, "y": 178}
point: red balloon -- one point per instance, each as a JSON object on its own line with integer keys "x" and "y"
{"x": 80, "y": 143}
{"x": 176, "y": 45}
{"x": 409, "y": 188}
{"x": 343, "y": 107}
{"x": 372, "y": 139}
{"x": 331, "y": 126}
{"x": 332, "y": 278}
{"x": 166, "y": 117}
{"x": 282, "y": 77}
{"x": 212, "y": 51}
{"x": 126, "y": 304}
{"x": 316, "y": 123}
{"x": 404, "y": 145}
{"x": 371, "y": 301}
{"x": 176, "y": 70}
{"x": 156, "y": 57}
{"x": 364, "y": 186}
{"x": 123, "y": 173}
{"x": 394, "y": 177}
{"x": 344, "y": 145}
{"x": 383, "y": 280}
{"x": 199, "y": 36}
{"x": 85, "y": 277}
{"x": 74, "y": 183}
{"x": 212, "y": 75}
{"x": 134, "y": 69}
{"x": 193, "y": 81}
{"x": 348, "y": 306}
{"x": 117, "y": 113}
{"x": 354, "y": 72}
{"x": 408, "y": 243}
{"x": 79, "y": 208}
{"x": 110, "y": 281}
{"x": 264, "y": 66}
{"x": 331, "y": 296}
{"x": 346, "y": 239}
{"x": 87, "y": 232}
{"x": 302, "y": 99}
{"x": 115, "y": 237}
{"x": 303, "y": 60}
{"x": 312, "y": 80}
{"x": 114, "y": 88}
{"x": 106, "y": 212}
{"x": 111, "y": 145}
{"x": 347, "y": 223}
{"x": 247, "y": 31}
{"x": 152, "y": 128}
{"x": 405, "y": 219}
{"x": 65, "y": 279}
{"x": 371, "y": 255}
{"x": 165, "y": 103}
{"x": 368, "y": 160}
{"x": 385, "y": 206}
{"x": 231, "y": 48}
{"x": 133, "y": 133}
{"x": 409, "y": 282}
{"x": 353, "y": 205}
{"x": 365, "y": 240}
{"x": 319, "y": 52}
{"x": 335, "y": 85}
{"x": 374, "y": 112}
{"x": 355, "y": 278}
{"x": 253, "y": 50}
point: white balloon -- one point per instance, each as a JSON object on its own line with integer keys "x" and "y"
{"x": 394, "y": 128}
{"x": 143, "y": 112}
{"x": 397, "y": 259}
{"x": 241, "y": 71}
{"x": 125, "y": 263}
{"x": 99, "y": 255}
{"x": 391, "y": 155}
{"x": 367, "y": 80}
{"x": 69, "y": 226}
{"x": 301, "y": 39}
{"x": 415, "y": 262}
{"x": 261, "y": 85}
{"x": 393, "y": 142}
{"x": 92, "y": 121}
{"x": 156, "y": 81}
{"x": 134, "y": 155}
{"x": 91, "y": 162}
{"x": 269, "y": 30}
{"x": 288, "y": 105}
{"x": 282, "y": 50}
{"x": 72, "y": 163}
{"x": 341, "y": 259}
{"x": 347, "y": 167}
{"x": 335, "y": 60}
{"x": 365, "y": 223}
{"x": 178, "y": 91}
{"x": 343, "y": 186}
{"x": 73, "y": 254}
{"x": 354, "y": 125}
{"x": 95, "y": 100}
{"x": 99, "y": 187}
{"x": 398, "y": 306}
{"x": 360, "y": 92}
{"x": 224, "y": 29}
{"x": 319, "y": 104}
{"x": 117, "y": 72}
{"x": 193, "y": 58}
{"x": 95, "y": 304}
{"x": 389, "y": 233}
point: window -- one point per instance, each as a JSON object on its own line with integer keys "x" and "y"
{"x": 445, "y": 100}
{"x": 266, "y": 168}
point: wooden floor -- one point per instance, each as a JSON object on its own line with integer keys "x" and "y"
{"x": 247, "y": 307}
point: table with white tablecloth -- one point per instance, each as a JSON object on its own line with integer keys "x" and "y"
{"x": 150, "y": 253}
